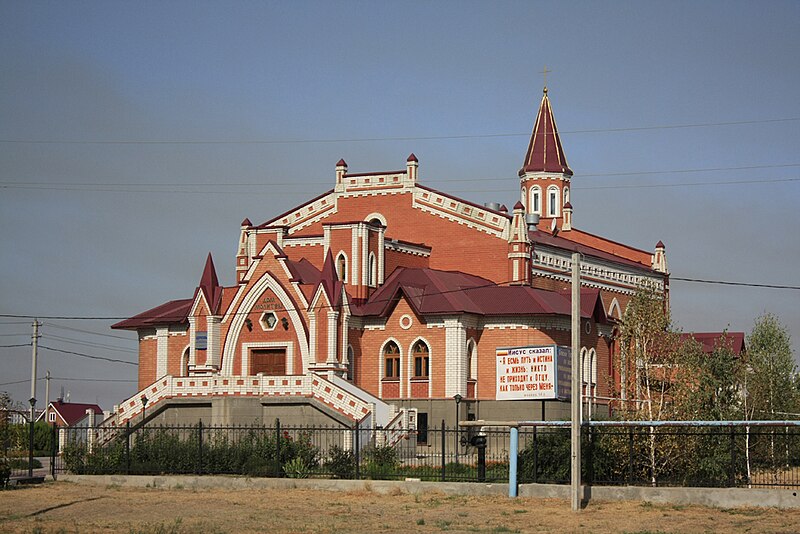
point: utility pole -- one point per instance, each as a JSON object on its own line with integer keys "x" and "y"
{"x": 47, "y": 389}
{"x": 35, "y": 344}
{"x": 575, "y": 479}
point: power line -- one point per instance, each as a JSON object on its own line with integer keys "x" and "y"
{"x": 66, "y": 379}
{"x": 72, "y": 329}
{"x": 28, "y": 380}
{"x": 377, "y": 139}
{"x": 88, "y": 343}
{"x": 112, "y": 186}
{"x": 88, "y": 355}
{"x": 744, "y": 284}
{"x": 427, "y": 294}
{"x": 13, "y": 346}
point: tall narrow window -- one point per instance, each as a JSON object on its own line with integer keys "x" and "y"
{"x": 351, "y": 364}
{"x": 566, "y": 195}
{"x": 341, "y": 267}
{"x": 552, "y": 201}
{"x": 536, "y": 200}
{"x": 391, "y": 357}
{"x": 472, "y": 360}
{"x": 421, "y": 359}
{"x": 373, "y": 270}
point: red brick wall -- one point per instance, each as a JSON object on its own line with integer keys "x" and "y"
{"x": 451, "y": 242}
{"x": 148, "y": 351}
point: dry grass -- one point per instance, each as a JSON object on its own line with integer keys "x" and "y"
{"x": 65, "y": 507}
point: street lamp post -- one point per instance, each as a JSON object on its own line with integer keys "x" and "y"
{"x": 144, "y": 408}
{"x": 30, "y": 438}
{"x": 457, "y": 398}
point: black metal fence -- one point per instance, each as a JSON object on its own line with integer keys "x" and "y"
{"x": 691, "y": 455}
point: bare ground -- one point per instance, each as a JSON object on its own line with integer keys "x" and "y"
{"x": 67, "y": 507}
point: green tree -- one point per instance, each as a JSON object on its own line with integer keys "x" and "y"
{"x": 770, "y": 383}
{"x": 708, "y": 386}
{"x": 772, "y": 372}
{"x": 650, "y": 359}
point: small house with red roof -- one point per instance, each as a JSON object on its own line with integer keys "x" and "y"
{"x": 72, "y": 414}
{"x": 381, "y": 300}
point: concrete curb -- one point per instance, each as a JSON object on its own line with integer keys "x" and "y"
{"x": 715, "y": 497}
{"x": 381, "y": 487}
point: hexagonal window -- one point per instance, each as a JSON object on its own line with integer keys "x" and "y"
{"x": 268, "y": 320}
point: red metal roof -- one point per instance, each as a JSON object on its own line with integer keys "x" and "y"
{"x": 545, "y": 238}
{"x": 72, "y": 412}
{"x": 545, "y": 153}
{"x": 172, "y": 312}
{"x": 711, "y": 340}
{"x": 209, "y": 285}
{"x": 432, "y": 292}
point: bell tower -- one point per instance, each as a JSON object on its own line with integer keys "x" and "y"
{"x": 545, "y": 175}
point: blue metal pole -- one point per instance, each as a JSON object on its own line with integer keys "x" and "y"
{"x": 512, "y": 462}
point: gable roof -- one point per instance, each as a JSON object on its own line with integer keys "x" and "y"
{"x": 710, "y": 340}
{"x": 73, "y": 412}
{"x": 435, "y": 292}
{"x": 172, "y": 312}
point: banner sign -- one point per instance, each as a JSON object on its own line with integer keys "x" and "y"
{"x": 534, "y": 373}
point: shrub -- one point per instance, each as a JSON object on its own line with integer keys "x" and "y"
{"x": 381, "y": 462}
{"x": 341, "y": 463}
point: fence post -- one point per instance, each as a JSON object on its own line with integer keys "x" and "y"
{"x": 128, "y": 447}
{"x": 444, "y": 449}
{"x": 357, "y": 452}
{"x": 53, "y": 450}
{"x": 512, "y": 462}
{"x": 200, "y": 447}
{"x": 590, "y": 457}
{"x": 630, "y": 455}
{"x": 535, "y": 456}
{"x": 277, "y": 447}
{"x": 732, "y": 473}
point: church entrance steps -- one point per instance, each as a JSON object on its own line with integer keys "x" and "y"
{"x": 336, "y": 394}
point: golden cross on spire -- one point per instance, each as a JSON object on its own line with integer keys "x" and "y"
{"x": 544, "y": 72}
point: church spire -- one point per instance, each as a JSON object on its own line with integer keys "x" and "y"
{"x": 545, "y": 153}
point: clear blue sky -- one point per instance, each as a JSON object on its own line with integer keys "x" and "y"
{"x": 270, "y": 95}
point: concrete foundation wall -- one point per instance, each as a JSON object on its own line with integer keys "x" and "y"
{"x": 245, "y": 411}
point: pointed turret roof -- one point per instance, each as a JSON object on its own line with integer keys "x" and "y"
{"x": 329, "y": 280}
{"x": 545, "y": 153}
{"x": 209, "y": 285}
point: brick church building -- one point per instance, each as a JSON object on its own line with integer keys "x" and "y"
{"x": 382, "y": 300}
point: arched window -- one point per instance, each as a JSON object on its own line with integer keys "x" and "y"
{"x": 421, "y": 359}
{"x": 593, "y": 367}
{"x": 585, "y": 365}
{"x": 184, "y": 371}
{"x": 341, "y": 267}
{"x": 536, "y": 200}
{"x": 566, "y": 195}
{"x": 524, "y": 196}
{"x": 472, "y": 360}
{"x": 552, "y": 201}
{"x": 373, "y": 270}
{"x": 391, "y": 358}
